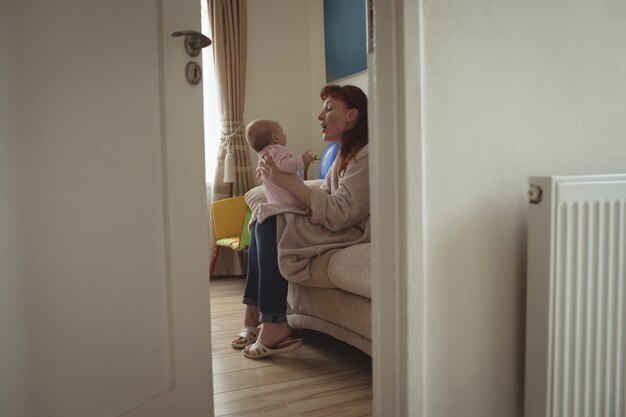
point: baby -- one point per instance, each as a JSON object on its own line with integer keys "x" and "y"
{"x": 267, "y": 137}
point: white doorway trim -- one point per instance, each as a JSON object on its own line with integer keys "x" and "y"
{"x": 397, "y": 189}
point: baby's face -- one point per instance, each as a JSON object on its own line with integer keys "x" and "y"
{"x": 279, "y": 135}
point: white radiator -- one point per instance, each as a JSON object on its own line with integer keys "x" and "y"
{"x": 575, "y": 327}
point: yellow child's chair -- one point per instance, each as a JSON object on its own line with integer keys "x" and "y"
{"x": 230, "y": 226}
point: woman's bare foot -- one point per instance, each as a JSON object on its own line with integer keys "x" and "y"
{"x": 250, "y": 321}
{"x": 251, "y": 316}
{"x": 273, "y": 333}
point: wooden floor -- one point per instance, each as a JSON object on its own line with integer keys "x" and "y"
{"x": 324, "y": 377}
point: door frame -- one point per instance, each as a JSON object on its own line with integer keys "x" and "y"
{"x": 399, "y": 308}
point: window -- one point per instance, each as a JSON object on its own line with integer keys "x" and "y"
{"x": 211, "y": 114}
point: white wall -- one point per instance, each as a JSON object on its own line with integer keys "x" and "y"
{"x": 13, "y": 339}
{"x": 318, "y": 77}
{"x": 286, "y": 69}
{"x": 279, "y": 68}
{"x": 512, "y": 89}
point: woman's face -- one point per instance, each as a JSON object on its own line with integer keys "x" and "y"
{"x": 335, "y": 119}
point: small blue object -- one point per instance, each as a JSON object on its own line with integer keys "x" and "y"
{"x": 328, "y": 157}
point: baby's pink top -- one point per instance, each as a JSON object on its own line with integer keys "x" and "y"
{"x": 285, "y": 161}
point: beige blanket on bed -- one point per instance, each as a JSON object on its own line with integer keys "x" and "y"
{"x": 338, "y": 218}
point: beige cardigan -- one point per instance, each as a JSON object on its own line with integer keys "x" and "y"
{"x": 338, "y": 218}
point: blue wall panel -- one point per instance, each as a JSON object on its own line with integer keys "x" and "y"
{"x": 344, "y": 38}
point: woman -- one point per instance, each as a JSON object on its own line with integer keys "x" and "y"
{"x": 339, "y": 214}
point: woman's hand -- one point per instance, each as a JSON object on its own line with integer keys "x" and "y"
{"x": 269, "y": 169}
{"x": 282, "y": 179}
{"x": 258, "y": 174}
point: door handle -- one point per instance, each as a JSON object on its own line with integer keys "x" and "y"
{"x": 194, "y": 41}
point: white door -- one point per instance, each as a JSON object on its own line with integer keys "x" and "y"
{"x": 113, "y": 223}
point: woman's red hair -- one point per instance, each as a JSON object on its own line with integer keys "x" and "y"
{"x": 356, "y": 138}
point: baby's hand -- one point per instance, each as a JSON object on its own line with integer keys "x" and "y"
{"x": 307, "y": 158}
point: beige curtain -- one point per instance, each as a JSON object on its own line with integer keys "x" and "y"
{"x": 228, "y": 22}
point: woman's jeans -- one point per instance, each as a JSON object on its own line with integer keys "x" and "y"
{"x": 265, "y": 286}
